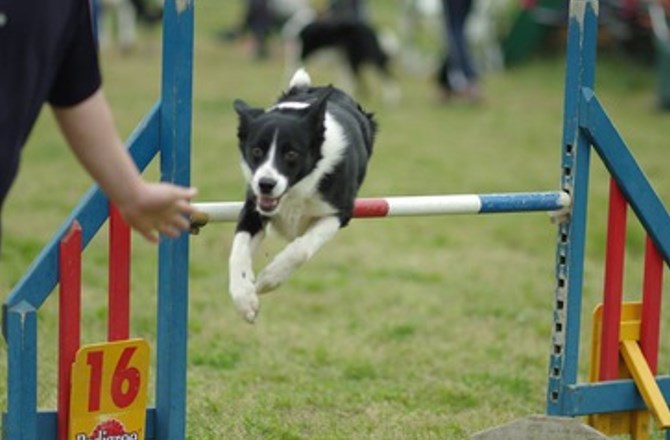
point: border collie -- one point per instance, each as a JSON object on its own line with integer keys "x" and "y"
{"x": 304, "y": 160}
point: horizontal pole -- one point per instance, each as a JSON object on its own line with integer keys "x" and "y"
{"x": 416, "y": 205}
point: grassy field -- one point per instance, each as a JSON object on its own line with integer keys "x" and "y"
{"x": 422, "y": 328}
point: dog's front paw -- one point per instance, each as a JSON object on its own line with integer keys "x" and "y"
{"x": 245, "y": 299}
{"x": 268, "y": 281}
{"x": 281, "y": 268}
{"x": 273, "y": 276}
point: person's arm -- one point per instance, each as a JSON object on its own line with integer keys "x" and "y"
{"x": 89, "y": 130}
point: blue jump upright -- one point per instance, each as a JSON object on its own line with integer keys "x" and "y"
{"x": 586, "y": 125}
{"x": 176, "y": 96}
{"x": 576, "y": 152}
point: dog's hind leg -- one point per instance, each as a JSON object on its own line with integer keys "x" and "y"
{"x": 391, "y": 93}
{"x": 296, "y": 253}
{"x": 247, "y": 238}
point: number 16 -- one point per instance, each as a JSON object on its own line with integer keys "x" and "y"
{"x": 125, "y": 383}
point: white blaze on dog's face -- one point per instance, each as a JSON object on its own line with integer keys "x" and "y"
{"x": 279, "y": 148}
{"x": 267, "y": 182}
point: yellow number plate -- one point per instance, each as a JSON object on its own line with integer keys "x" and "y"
{"x": 108, "y": 398}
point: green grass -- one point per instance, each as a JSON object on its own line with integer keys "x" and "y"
{"x": 422, "y": 328}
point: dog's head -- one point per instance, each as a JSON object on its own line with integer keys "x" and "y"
{"x": 279, "y": 147}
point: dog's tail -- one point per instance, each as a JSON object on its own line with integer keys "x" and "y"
{"x": 300, "y": 80}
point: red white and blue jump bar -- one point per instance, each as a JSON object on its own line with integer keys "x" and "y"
{"x": 417, "y": 205}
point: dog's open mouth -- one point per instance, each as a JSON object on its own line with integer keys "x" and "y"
{"x": 267, "y": 204}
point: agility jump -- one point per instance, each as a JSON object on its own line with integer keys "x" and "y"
{"x": 212, "y": 212}
{"x": 618, "y": 404}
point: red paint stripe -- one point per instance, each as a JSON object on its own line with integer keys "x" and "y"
{"x": 118, "y": 325}
{"x": 651, "y": 304}
{"x": 69, "y": 317}
{"x": 371, "y": 208}
{"x": 613, "y": 289}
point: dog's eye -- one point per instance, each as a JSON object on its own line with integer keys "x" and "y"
{"x": 291, "y": 156}
{"x": 257, "y": 153}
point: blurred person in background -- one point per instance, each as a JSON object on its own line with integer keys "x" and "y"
{"x": 121, "y": 18}
{"x": 456, "y": 75}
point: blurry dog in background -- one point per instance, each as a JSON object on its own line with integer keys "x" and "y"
{"x": 345, "y": 36}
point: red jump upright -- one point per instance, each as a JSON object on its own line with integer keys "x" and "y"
{"x": 70, "y": 302}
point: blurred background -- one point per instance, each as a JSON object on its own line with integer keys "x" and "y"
{"x": 399, "y": 328}
{"x": 417, "y": 35}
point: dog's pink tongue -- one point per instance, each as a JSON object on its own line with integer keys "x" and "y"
{"x": 268, "y": 203}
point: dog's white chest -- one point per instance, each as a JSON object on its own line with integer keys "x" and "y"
{"x": 297, "y": 214}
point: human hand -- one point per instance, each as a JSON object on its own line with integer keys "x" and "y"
{"x": 158, "y": 208}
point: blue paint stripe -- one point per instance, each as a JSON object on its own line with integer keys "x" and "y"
{"x": 521, "y": 202}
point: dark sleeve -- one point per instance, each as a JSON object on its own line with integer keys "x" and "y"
{"x": 79, "y": 74}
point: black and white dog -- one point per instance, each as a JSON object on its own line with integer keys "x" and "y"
{"x": 355, "y": 44}
{"x": 304, "y": 160}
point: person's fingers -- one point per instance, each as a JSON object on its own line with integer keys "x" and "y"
{"x": 182, "y": 192}
{"x": 168, "y": 214}
{"x": 149, "y": 235}
{"x": 191, "y": 192}
{"x": 185, "y": 207}
{"x": 181, "y": 222}
{"x": 170, "y": 231}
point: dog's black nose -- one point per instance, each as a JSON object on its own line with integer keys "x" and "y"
{"x": 266, "y": 185}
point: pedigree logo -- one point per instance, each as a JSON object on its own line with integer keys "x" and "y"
{"x": 109, "y": 430}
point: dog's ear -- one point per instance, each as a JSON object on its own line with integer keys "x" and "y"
{"x": 316, "y": 113}
{"x": 246, "y": 114}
